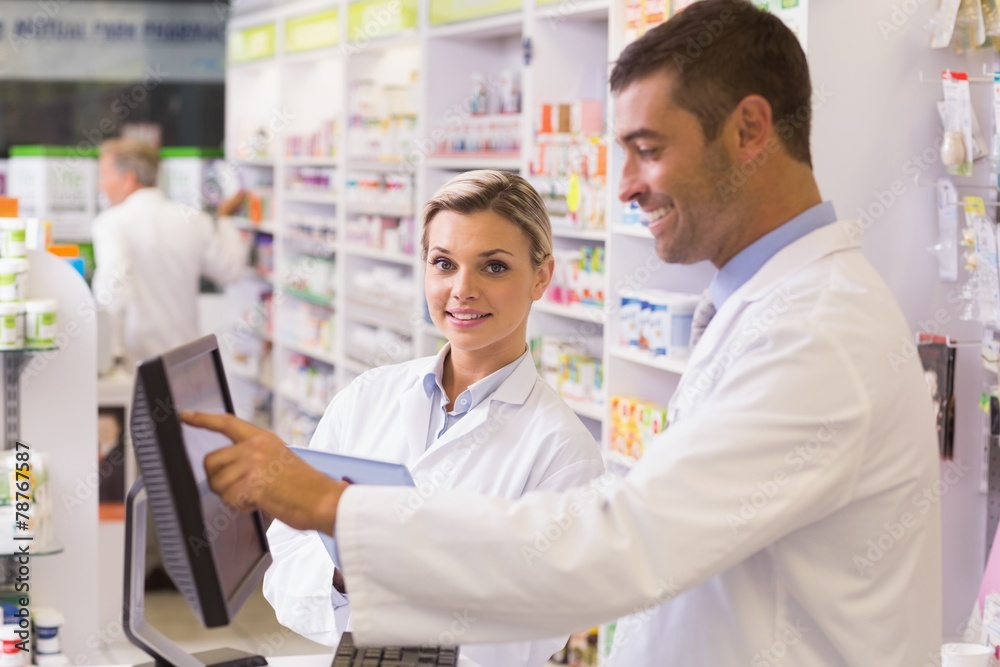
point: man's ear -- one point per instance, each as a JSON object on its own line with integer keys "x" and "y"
{"x": 753, "y": 122}
{"x": 132, "y": 180}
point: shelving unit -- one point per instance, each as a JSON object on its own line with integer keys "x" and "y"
{"x": 55, "y": 394}
{"x": 379, "y": 254}
{"x": 637, "y": 231}
{"x": 643, "y": 358}
{"x": 571, "y": 311}
{"x": 311, "y": 197}
{"x": 312, "y": 352}
{"x": 395, "y": 96}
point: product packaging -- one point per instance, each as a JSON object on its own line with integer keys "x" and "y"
{"x": 957, "y": 148}
{"x": 40, "y": 322}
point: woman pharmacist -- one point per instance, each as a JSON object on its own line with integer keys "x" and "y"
{"x": 744, "y": 536}
{"x": 477, "y": 417}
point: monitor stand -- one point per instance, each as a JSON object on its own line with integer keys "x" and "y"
{"x": 165, "y": 652}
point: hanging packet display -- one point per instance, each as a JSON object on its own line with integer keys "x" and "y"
{"x": 957, "y": 148}
{"x": 987, "y": 276}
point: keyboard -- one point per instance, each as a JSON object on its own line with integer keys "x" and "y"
{"x": 349, "y": 655}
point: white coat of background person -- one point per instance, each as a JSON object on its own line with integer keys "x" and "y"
{"x": 150, "y": 254}
{"x": 487, "y": 244}
{"x": 744, "y": 535}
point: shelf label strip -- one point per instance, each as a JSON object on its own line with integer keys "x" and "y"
{"x": 374, "y": 19}
{"x": 312, "y": 31}
{"x": 453, "y": 11}
{"x": 251, "y": 43}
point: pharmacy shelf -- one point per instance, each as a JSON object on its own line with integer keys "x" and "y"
{"x": 477, "y": 161}
{"x": 267, "y": 227}
{"x": 564, "y": 231}
{"x": 307, "y": 197}
{"x": 592, "y": 10}
{"x": 646, "y": 359}
{"x": 494, "y": 26}
{"x": 308, "y": 406}
{"x": 638, "y": 231}
{"x": 242, "y": 373}
{"x": 310, "y": 351}
{"x": 405, "y": 39}
{"x": 355, "y": 366}
{"x": 308, "y": 58}
{"x": 379, "y": 254}
{"x": 378, "y": 166}
{"x": 303, "y": 245}
{"x": 586, "y": 409}
{"x": 254, "y": 161}
{"x": 591, "y": 314}
{"x": 309, "y": 297}
{"x": 380, "y": 212}
{"x": 364, "y": 313}
{"x": 252, "y": 67}
{"x": 310, "y": 161}
{"x": 323, "y": 223}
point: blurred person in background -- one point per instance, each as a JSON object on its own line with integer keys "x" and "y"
{"x": 150, "y": 254}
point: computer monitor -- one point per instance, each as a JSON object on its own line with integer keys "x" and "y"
{"x": 215, "y": 555}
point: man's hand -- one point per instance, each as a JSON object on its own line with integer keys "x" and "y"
{"x": 260, "y": 472}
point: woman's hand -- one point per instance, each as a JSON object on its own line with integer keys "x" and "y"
{"x": 259, "y": 472}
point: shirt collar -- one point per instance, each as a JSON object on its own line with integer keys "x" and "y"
{"x": 477, "y": 391}
{"x": 432, "y": 378}
{"x": 144, "y": 193}
{"x": 748, "y": 261}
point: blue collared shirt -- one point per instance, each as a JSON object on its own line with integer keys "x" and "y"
{"x": 441, "y": 418}
{"x": 748, "y": 261}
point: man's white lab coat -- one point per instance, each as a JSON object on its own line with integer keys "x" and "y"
{"x": 788, "y": 515}
{"x": 521, "y": 438}
{"x": 150, "y": 254}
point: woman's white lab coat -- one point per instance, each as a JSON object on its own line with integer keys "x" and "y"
{"x": 788, "y": 516}
{"x": 521, "y": 438}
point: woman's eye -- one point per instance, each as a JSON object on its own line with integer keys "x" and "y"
{"x": 442, "y": 264}
{"x": 495, "y": 267}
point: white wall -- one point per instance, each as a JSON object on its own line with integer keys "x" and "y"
{"x": 876, "y": 117}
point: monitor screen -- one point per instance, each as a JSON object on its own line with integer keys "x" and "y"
{"x": 215, "y": 554}
{"x": 195, "y": 385}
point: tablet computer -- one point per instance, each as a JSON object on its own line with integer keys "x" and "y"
{"x": 355, "y": 469}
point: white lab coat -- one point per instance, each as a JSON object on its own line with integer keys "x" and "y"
{"x": 787, "y": 516}
{"x": 150, "y": 254}
{"x": 521, "y": 438}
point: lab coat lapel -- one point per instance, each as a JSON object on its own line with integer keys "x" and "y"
{"x": 466, "y": 425}
{"x": 414, "y": 418}
{"x": 720, "y": 342}
{"x": 806, "y": 250}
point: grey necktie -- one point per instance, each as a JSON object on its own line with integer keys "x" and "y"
{"x": 703, "y": 314}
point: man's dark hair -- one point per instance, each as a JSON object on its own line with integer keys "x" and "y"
{"x": 720, "y": 51}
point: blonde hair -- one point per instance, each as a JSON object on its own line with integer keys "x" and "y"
{"x": 136, "y": 156}
{"x": 501, "y": 192}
